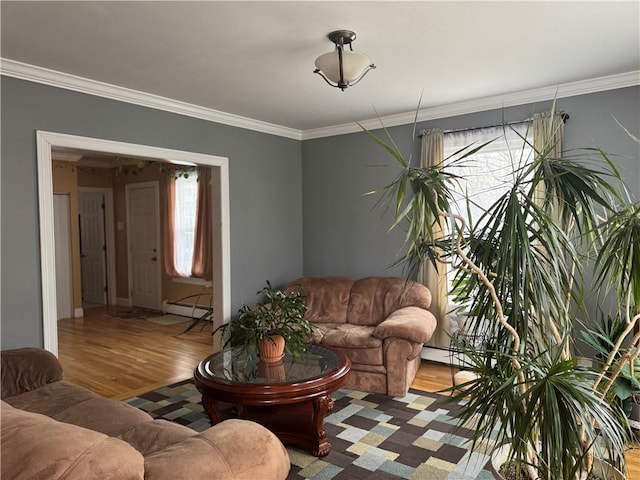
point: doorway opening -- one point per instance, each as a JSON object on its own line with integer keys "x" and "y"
{"x": 47, "y": 141}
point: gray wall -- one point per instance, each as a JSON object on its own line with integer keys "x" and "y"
{"x": 265, "y": 191}
{"x": 290, "y": 200}
{"x": 343, "y": 235}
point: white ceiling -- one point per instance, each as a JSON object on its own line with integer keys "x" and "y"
{"x": 255, "y": 59}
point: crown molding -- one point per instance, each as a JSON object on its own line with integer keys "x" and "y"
{"x": 523, "y": 97}
{"x": 23, "y": 71}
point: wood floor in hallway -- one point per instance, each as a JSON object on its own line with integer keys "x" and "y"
{"x": 122, "y": 357}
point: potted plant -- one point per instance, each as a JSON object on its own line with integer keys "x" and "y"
{"x": 519, "y": 273}
{"x": 603, "y": 339}
{"x": 274, "y": 326}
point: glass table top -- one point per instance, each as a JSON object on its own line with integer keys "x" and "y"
{"x": 243, "y": 366}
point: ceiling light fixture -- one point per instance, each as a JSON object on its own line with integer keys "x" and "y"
{"x": 343, "y": 68}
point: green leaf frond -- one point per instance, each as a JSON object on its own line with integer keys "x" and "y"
{"x": 391, "y": 147}
{"x": 618, "y": 261}
{"x": 574, "y": 191}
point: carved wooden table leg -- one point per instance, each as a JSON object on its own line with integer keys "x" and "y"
{"x": 321, "y": 406}
{"x": 211, "y": 407}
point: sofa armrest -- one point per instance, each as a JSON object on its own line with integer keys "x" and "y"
{"x": 233, "y": 449}
{"x": 414, "y": 324}
{"x": 25, "y": 369}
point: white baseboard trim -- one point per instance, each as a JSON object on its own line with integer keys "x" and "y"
{"x": 442, "y": 355}
{"x": 183, "y": 309}
{"x": 435, "y": 354}
{"x": 78, "y": 312}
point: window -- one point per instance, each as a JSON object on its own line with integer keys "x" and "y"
{"x": 185, "y": 222}
{"x": 188, "y": 226}
{"x": 486, "y": 175}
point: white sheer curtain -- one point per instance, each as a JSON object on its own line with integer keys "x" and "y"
{"x": 489, "y": 173}
{"x": 184, "y": 222}
{"x": 485, "y": 176}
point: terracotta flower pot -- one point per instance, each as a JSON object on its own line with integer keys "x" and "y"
{"x": 271, "y": 348}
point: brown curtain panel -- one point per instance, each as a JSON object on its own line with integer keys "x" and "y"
{"x": 435, "y": 278}
{"x": 548, "y": 132}
{"x": 169, "y": 186}
{"x": 548, "y": 140}
{"x": 202, "y": 266}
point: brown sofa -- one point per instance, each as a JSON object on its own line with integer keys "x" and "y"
{"x": 380, "y": 323}
{"x": 51, "y": 429}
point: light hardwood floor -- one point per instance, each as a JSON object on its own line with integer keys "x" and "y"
{"x": 120, "y": 358}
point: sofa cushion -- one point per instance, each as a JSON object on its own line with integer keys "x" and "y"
{"x": 155, "y": 435}
{"x": 103, "y": 415}
{"x": 50, "y": 450}
{"x": 349, "y": 336}
{"x": 374, "y": 298}
{"x": 74, "y": 404}
{"x": 52, "y": 398}
{"x": 327, "y": 297}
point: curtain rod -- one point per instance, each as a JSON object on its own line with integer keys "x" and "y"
{"x": 563, "y": 115}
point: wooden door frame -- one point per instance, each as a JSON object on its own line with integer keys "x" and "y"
{"x": 156, "y": 193}
{"x": 45, "y": 141}
{"x": 110, "y": 238}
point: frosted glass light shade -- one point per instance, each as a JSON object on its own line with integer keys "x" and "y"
{"x": 354, "y": 64}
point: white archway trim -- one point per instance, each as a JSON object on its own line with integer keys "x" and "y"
{"x": 48, "y": 140}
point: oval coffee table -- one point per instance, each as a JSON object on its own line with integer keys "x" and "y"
{"x": 289, "y": 397}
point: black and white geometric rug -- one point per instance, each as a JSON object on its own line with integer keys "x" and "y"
{"x": 373, "y": 437}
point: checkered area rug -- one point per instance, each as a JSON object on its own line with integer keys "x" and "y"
{"x": 373, "y": 437}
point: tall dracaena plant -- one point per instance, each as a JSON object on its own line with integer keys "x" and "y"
{"x": 519, "y": 267}
{"x": 618, "y": 269}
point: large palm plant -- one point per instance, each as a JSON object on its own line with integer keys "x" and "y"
{"x": 520, "y": 276}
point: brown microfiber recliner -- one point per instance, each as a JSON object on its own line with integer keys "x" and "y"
{"x": 380, "y": 323}
{"x": 52, "y": 429}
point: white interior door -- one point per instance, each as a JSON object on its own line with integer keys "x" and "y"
{"x": 62, "y": 237}
{"x": 93, "y": 246}
{"x": 143, "y": 218}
